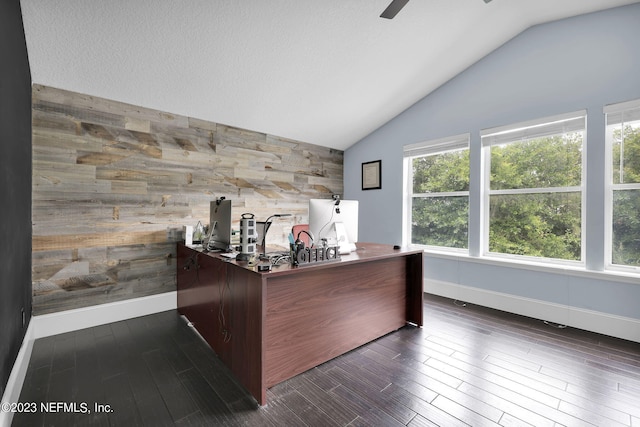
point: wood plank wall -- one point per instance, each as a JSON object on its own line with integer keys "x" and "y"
{"x": 113, "y": 185}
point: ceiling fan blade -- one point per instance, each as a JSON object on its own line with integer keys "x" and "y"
{"x": 394, "y": 7}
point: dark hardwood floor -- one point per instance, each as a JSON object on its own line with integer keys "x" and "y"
{"x": 467, "y": 366}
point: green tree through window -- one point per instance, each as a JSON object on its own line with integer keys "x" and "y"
{"x": 440, "y": 208}
{"x": 543, "y": 218}
{"x": 625, "y": 245}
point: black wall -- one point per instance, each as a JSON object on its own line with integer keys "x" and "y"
{"x": 15, "y": 187}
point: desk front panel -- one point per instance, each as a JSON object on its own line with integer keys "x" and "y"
{"x": 316, "y": 315}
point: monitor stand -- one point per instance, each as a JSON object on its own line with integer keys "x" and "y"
{"x": 345, "y": 247}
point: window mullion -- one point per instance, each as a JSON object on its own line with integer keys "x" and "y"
{"x": 572, "y": 189}
{"x": 442, "y": 194}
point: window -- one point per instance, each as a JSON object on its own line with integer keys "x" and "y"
{"x": 623, "y": 170}
{"x": 437, "y": 183}
{"x": 533, "y": 188}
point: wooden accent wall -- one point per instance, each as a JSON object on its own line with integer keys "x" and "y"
{"x": 113, "y": 184}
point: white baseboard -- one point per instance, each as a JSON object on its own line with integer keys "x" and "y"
{"x": 17, "y": 376}
{"x": 72, "y": 320}
{"x": 88, "y": 317}
{"x": 608, "y": 324}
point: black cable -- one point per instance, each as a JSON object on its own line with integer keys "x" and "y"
{"x": 308, "y": 233}
{"x": 192, "y": 261}
{"x": 222, "y": 321}
{"x": 328, "y": 222}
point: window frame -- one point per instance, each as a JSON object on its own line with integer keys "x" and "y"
{"x": 527, "y": 130}
{"x": 422, "y": 149}
{"x": 610, "y": 186}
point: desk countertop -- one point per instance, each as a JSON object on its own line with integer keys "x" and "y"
{"x": 365, "y": 252}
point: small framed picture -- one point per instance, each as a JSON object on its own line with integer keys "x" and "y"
{"x": 372, "y": 175}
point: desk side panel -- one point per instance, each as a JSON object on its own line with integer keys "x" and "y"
{"x": 246, "y": 329}
{"x": 317, "y": 315}
{"x": 201, "y": 285}
{"x": 225, "y": 304}
{"x": 415, "y": 289}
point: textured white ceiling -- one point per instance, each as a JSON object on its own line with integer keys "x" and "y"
{"x": 327, "y": 72}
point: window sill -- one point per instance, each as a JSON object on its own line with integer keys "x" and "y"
{"x": 564, "y": 269}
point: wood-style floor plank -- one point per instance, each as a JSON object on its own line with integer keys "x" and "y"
{"x": 468, "y": 365}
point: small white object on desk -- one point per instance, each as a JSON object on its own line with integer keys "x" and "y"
{"x": 230, "y": 255}
{"x": 188, "y": 235}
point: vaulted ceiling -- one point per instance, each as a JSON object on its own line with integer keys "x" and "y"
{"x": 326, "y": 72}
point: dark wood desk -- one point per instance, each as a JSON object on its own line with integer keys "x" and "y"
{"x": 268, "y": 327}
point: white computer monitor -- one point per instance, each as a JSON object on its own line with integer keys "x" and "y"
{"x": 336, "y": 221}
{"x": 220, "y": 225}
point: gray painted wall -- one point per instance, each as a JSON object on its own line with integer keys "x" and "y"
{"x": 579, "y": 63}
{"x": 15, "y": 186}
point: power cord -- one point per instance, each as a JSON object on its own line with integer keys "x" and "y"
{"x": 281, "y": 259}
{"x": 554, "y": 325}
{"x": 222, "y": 321}
{"x": 328, "y": 222}
{"x": 192, "y": 261}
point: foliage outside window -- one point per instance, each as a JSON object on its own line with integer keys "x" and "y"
{"x": 533, "y": 183}
{"x": 623, "y": 136}
{"x": 439, "y": 192}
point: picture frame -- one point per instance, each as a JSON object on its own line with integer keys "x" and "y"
{"x": 372, "y": 175}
